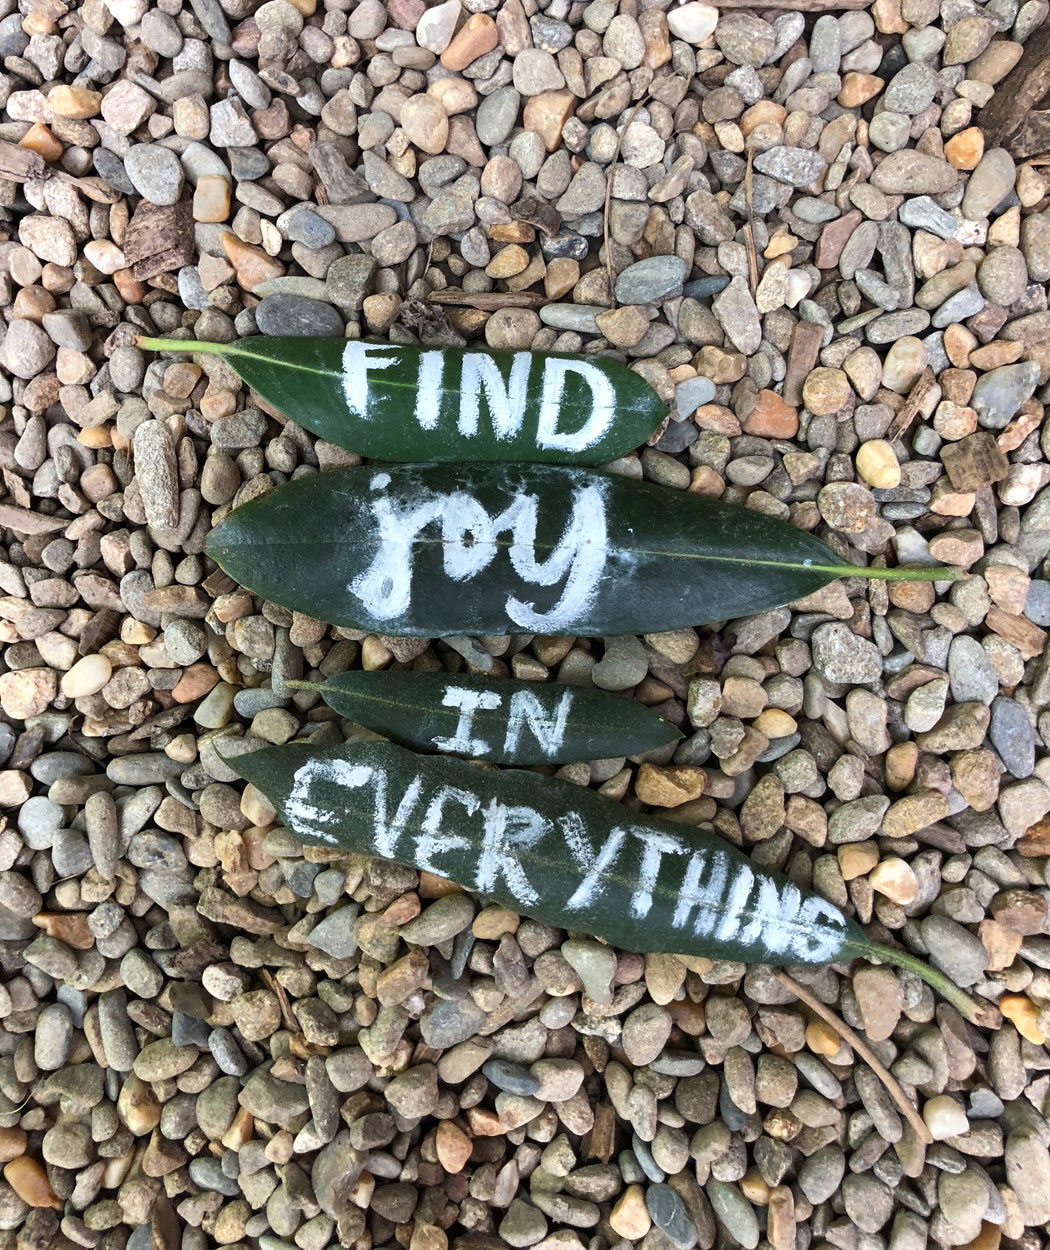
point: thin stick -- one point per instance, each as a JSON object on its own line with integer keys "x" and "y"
{"x": 608, "y": 197}
{"x": 898, "y": 1095}
{"x": 749, "y": 225}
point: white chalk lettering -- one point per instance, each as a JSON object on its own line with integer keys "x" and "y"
{"x": 654, "y": 847}
{"x": 428, "y": 392}
{"x": 385, "y": 587}
{"x": 358, "y": 359}
{"x": 469, "y": 702}
{"x": 432, "y": 840}
{"x": 506, "y": 830}
{"x": 736, "y": 904}
{"x": 469, "y": 545}
{"x": 592, "y": 883}
{"x": 388, "y": 832}
{"x": 301, "y": 807}
{"x": 581, "y": 552}
{"x": 603, "y": 400}
{"x": 483, "y": 382}
{"x": 505, "y": 397}
{"x": 527, "y": 712}
{"x": 717, "y": 897}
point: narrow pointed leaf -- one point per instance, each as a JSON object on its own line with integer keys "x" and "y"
{"x": 401, "y": 403}
{"x": 434, "y": 550}
{"x": 551, "y": 850}
{"x": 508, "y": 722}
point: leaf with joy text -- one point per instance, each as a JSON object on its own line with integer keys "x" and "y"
{"x": 551, "y": 850}
{"x": 509, "y": 722}
{"x": 435, "y": 550}
{"x": 402, "y": 403}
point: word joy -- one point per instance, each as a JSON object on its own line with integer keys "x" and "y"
{"x": 514, "y": 401}
{"x": 470, "y": 540}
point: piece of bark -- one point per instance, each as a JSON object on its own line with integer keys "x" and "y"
{"x": 24, "y": 521}
{"x": 159, "y": 239}
{"x": 1021, "y": 91}
{"x": 20, "y": 164}
{"x": 923, "y": 397}
{"x": 102, "y": 628}
{"x": 603, "y": 1134}
{"x": 488, "y": 301}
{"x": 806, "y": 339}
{"x": 1033, "y": 136}
{"x": 537, "y": 213}
{"x": 974, "y": 461}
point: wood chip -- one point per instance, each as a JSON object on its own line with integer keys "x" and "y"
{"x": 489, "y": 301}
{"x": 603, "y": 1134}
{"x": 974, "y": 461}
{"x": 20, "y": 164}
{"x": 806, "y": 339}
{"x": 1009, "y": 110}
{"x": 159, "y": 239}
{"x": 24, "y": 521}
{"x": 923, "y": 398}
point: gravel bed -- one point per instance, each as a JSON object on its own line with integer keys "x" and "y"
{"x": 210, "y": 1035}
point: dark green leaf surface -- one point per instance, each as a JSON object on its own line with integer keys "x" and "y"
{"x": 401, "y": 403}
{"x": 551, "y": 850}
{"x": 433, "y": 550}
{"x": 508, "y": 722}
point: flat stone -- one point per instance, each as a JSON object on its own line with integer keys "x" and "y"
{"x": 650, "y": 280}
{"x": 296, "y": 315}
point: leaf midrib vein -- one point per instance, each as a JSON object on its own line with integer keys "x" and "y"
{"x": 836, "y": 570}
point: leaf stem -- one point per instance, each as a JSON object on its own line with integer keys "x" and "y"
{"x": 302, "y": 685}
{"x": 180, "y": 345}
{"x": 903, "y": 573}
{"x": 983, "y": 1014}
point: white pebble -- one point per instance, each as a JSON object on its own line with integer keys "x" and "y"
{"x": 87, "y": 676}
{"x": 693, "y": 22}
{"x": 944, "y": 1117}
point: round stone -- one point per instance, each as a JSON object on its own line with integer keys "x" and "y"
{"x": 825, "y": 391}
{"x": 877, "y": 464}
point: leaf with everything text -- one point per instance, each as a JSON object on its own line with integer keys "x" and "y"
{"x": 435, "y": 550}
{"x": 565, "y": 856}
{"x": 402, "y": 403}
{"x": 508, "y": 722}
{"x": 551, "y": 850}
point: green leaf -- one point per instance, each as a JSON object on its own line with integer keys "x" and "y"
{"x": 551, "y": 850}
{"x": 566, "y": 856}
{"x": 399, "y": 403}
{"x": 434, "y": 550}
{"x": 508, "y": 722}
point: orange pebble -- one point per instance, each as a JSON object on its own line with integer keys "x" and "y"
{"x": 29, "y": 1181}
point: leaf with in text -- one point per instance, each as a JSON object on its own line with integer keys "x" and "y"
{"x": 508, "y": 722}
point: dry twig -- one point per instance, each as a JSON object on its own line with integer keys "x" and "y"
{"x": 749, "y": 227}
{"x": 898, "y": 1095}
